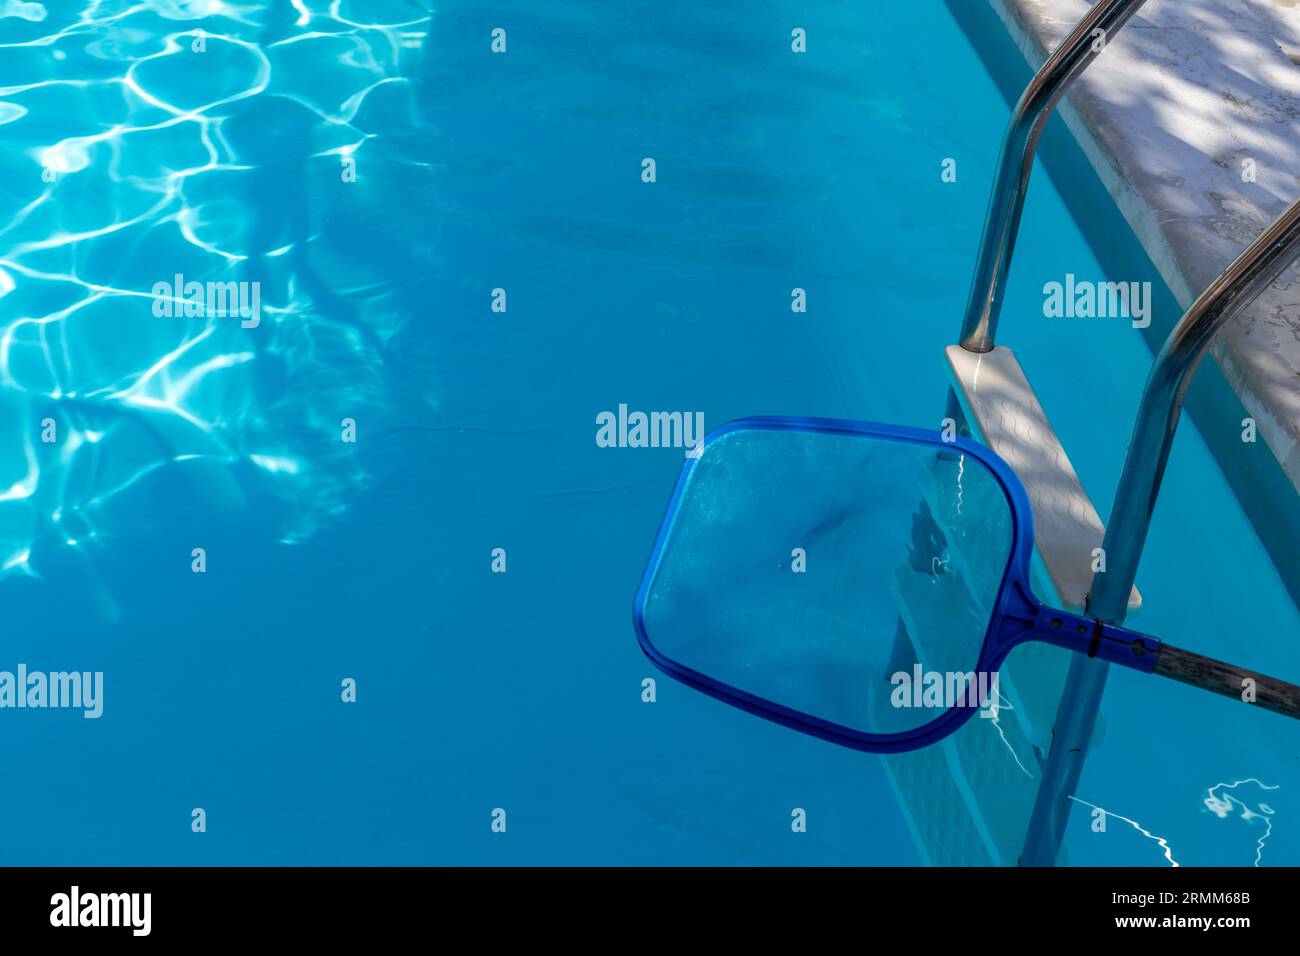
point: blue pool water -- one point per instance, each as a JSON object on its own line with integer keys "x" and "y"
{"x": 127, "y": 156}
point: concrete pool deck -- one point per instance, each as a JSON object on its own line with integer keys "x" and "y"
{"x": 1190, "y": 103}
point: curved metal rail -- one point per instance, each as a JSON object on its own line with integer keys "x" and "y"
{"x": 1135, "y": 501}
{"x": 1162, "y": 402}
{"x": 1016, "y": 162}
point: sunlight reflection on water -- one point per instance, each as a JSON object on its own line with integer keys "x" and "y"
{"x": 141, "y": 144}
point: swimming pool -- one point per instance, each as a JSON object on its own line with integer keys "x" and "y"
{"x": 129, "y": 157}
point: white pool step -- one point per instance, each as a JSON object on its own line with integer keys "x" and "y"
{"x": 1005, "y": 414}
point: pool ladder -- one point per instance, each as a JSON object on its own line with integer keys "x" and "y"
{"x": 992, "y": 398}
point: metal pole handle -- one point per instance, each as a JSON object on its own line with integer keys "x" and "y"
{"x": 1209, "y": 674}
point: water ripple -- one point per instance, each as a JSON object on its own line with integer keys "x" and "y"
{"x": 208, "y": 140}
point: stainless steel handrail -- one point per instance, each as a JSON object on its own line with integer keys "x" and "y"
{"x": 1135, "y": 500}
{"x": 1162, "y": 402}
{"x": 1016, "y": 163}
